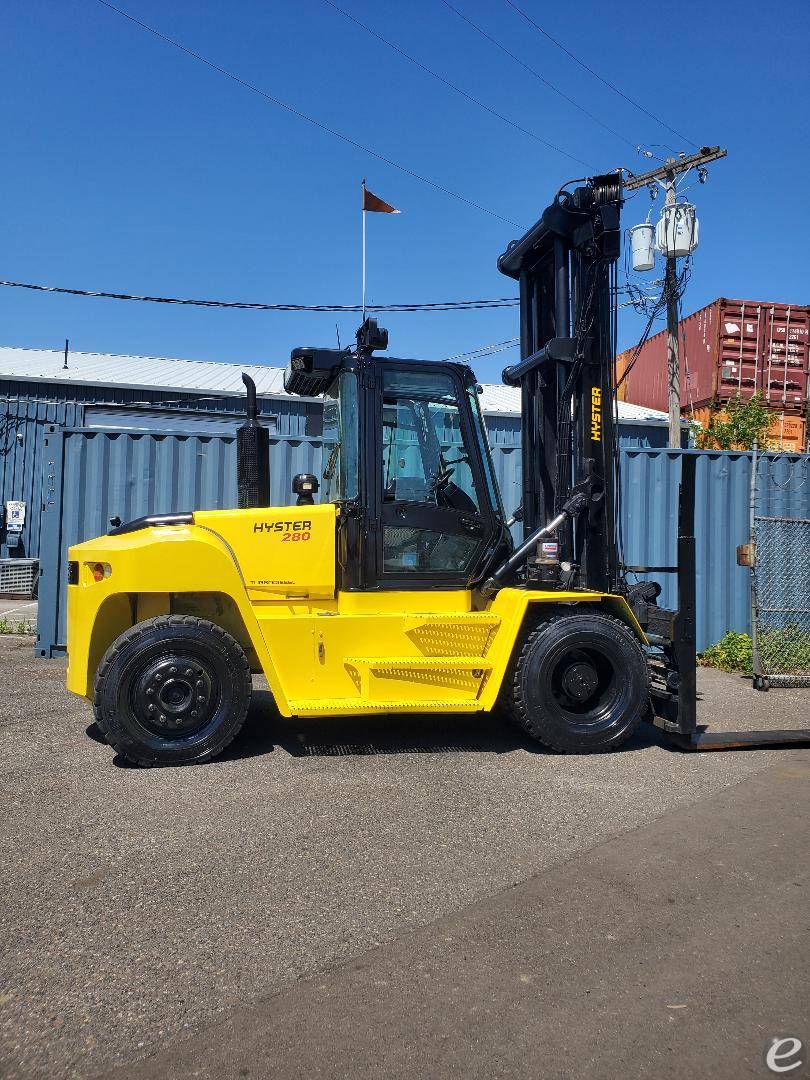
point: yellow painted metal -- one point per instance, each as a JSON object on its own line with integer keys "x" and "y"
{"x": 286, "y": 551}
{"x": 174, "y": 560}
{"x": 321, "y": 651}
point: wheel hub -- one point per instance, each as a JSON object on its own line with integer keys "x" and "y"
{"x": 174, "y": 695}
{"x": 580, "y": 681}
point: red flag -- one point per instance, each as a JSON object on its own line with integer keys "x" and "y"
{"x": 376, "y": 204}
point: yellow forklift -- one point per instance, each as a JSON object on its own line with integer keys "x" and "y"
{"x": 400, "y": 589}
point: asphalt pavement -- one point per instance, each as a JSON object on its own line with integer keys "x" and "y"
{"x": 282, "y": 911}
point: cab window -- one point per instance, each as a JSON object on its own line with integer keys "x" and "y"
{"x": 424, "y": 457}
{"x": 432, "y": 495}
{"x": 340, "y": 440}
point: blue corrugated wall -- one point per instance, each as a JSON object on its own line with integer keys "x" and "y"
{"x": 89, "y": 476}
{"x": 92, "y": 475}
{"x": 27, "y": 408}
{"x": 22, "y": 467}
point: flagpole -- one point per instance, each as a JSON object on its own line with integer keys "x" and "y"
{"x": 363, "y": 212}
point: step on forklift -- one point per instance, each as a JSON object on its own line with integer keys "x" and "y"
{"x": 394, "y": 585}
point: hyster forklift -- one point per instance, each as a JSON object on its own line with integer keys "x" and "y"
{"x": 400, "y": 590}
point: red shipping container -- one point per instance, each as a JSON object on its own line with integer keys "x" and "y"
{"x": 729, "y": 347}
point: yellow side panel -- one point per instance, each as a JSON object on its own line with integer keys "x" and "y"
{"x": 405, "y": 649}
{"x": 402, "y": 651}
{"x": 286, "y": 552}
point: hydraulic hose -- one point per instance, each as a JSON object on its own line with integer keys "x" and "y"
{"x": 575, "y": 505}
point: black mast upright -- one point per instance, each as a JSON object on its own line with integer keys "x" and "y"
{"x": 564, "y": 268}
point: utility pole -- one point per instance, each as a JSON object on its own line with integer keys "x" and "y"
{"x": 673, "y": 349}
{"x": 667, "y": 174}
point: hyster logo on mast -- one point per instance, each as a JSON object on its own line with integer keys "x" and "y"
{"x": 596, "y": 414}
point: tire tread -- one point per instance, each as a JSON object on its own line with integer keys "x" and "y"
{"x": 515, "y": 707}
{"x": 127, "y": 747}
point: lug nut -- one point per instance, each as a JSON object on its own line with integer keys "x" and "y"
{"x": 200, "y": 698}
{"x": 189, "y": 671}
{"x": 162, "y": 718}
{"x": 149, "y": 691}
{"x": 150, "y": 708}
{"x": 193, "y": 712}
{"x": 200, "y": 684}
{"x": 158, "y": 678}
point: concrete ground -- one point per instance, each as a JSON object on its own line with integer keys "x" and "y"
{"x": 398, "y": 897}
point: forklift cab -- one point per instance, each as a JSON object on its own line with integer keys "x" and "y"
{"x": 407, "y": 462}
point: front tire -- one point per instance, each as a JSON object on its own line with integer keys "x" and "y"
{"x": 580, "y": 684}
{"x": 171, "y": 691}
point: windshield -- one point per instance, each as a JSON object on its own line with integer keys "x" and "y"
{"x": 483, "y": 443}
{"x": 427, "y": 457}
{"x": 340, "y": 439}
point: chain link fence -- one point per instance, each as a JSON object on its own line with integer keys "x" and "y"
{"x": 780, "y": 583}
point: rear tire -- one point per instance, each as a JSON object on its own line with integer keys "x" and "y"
{"x": 580, "y": 684}
{"x": 172, "y": 691}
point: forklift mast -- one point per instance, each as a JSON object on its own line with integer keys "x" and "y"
{"x": 565, "y": 266}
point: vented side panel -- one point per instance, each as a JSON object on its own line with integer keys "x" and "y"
{"x": 252, "y": 466}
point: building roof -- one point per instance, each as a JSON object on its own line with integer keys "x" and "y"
{"x": 137, "y": 372}
{"x": 505, "y": 400}
{"x": 209, "y": 376}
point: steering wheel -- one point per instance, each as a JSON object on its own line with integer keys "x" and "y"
{"x": 445, "y": 472}
{"x": 441, "y": 479}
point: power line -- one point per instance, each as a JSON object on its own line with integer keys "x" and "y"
{"x": 596, "y": 74}
{"x": 536, "y": 74}
{"x": 241, "y": 305}
{"x": 446, "y": 82}
{"x": 302, "y": 115}
{"x": 486, "y": 350}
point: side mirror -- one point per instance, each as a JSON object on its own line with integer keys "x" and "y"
{"x": 305, "y": 486}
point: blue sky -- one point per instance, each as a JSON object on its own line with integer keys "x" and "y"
{"x": 130, "y": 167}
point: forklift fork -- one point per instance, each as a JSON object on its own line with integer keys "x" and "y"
{"x": 674, "y": 688}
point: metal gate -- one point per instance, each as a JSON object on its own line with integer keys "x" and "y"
{"x": 780, "y": 579}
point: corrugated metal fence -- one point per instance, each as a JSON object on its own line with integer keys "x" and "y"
{"x": 28, "y": 408}
{"x": 722, "y": 521}
{"x": 93, "y": 475}
{"x": 22, "y": 425}
{"x": 90, "y": 475}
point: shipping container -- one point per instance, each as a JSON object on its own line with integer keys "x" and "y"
{"x": 90, "y": 474}
{"x": 788, "y": 431}
{"x": 729, "y": 348}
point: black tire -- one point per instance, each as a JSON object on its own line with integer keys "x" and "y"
{"x": 580, "y": 684}
{"x": 172, "y": 691}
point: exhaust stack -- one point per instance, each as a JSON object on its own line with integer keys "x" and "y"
{"x": 252, "y": 455}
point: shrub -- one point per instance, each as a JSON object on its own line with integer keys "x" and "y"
{"x": 738, "y": 426}
{"x": 786, "y": 651}
{"x": 733, "y": 652}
